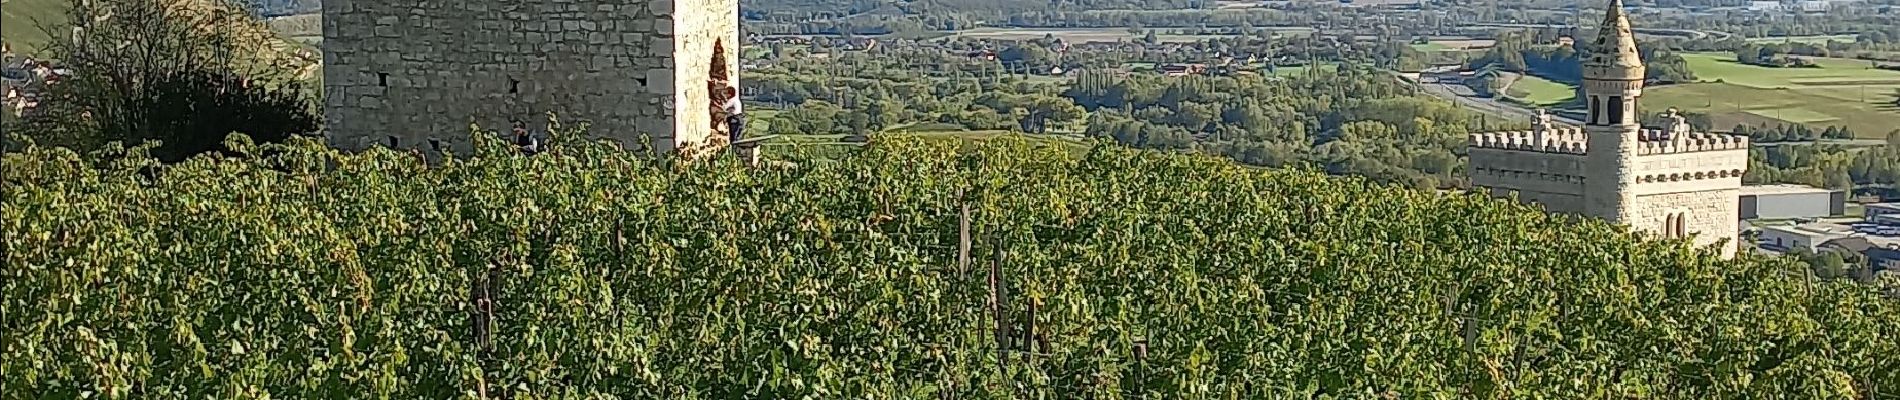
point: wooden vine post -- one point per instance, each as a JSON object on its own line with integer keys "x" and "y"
{"x": 999, "y": 295}
{"x": 963, "y": 236}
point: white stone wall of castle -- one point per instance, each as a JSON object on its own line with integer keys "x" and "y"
{"x": 1568, "y": 203}
{"x": 1689, "y": 142}
{"x": 1691, "y": 166}
{"x": 1671, "y": 187}
{"x": 1554, "y": 140}
{"x": 1552, "y": 180}
{"x": 1525, "y": 161}
{"x": 417, "y": 70}
{"x": 1610, "y": 172}
{"x": 1527, "y": 182}
{"x": 1710, "y": 216}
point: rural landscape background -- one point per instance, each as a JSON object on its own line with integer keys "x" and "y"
{"x": 968, "y": 199}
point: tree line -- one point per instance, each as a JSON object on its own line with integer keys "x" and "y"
{"x": 1357, "y": 119}
{"x": 1535, "y": 52}
{"x": 147, "y": 71}
{"x": 1874, "y": 169}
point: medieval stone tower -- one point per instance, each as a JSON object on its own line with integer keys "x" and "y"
{"x": 416, "y": 73}
{"x": 1671, "y": 182}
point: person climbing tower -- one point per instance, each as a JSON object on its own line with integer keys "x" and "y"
{"x": 735, "y": 114}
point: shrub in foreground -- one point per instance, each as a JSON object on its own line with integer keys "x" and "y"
{"x": 590, "y": 273}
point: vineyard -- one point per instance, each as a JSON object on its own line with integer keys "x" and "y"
{"x": 294, "y": 271}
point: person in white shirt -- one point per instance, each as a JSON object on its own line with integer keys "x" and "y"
{"x": 735, "y": 114}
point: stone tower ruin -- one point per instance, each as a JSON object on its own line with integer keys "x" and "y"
{"x": 415, "y": 73}
{"x": 1670, "y": 182}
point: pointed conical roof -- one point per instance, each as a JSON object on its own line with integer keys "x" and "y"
{"x": 1614, "y": 54}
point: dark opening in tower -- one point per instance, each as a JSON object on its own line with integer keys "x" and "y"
{"x": 719, "y": 88}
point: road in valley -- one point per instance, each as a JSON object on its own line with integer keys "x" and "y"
{"x": 1463, "y": 96}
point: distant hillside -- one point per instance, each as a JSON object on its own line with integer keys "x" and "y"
{"x": 24, "y": 34}
{"x": 18, "y": 18}
{"x": 275, "y": 8}
{"x": 20, "y": 22}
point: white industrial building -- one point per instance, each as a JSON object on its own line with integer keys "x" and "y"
{"x": 1790, "y": 201}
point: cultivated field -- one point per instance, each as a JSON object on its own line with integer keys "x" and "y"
{"x": 1084, "y": 35}
{"x": 19, "y": 30}
{"x": 1819, "y": 39}
{"x": 1454, "y": 44}
{"x": 307, "y": 28}
{"x": 18, "y": 25}
{"x": 1539, "y": 91}
{"x": 1301, "y": 70}
{"x": 1841, "y": 92}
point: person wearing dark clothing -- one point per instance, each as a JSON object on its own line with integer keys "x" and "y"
{"x": 527, "y": 142}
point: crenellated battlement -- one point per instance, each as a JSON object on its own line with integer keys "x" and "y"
{"x": 1555, "y": 140}
{"x": 1575, "y": 141}
{"x": 1659, "y": 141}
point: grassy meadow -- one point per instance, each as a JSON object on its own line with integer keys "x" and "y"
{"x": 1540, "y": 92}
{"x": 1816, "y": 39}
{"x": 19, "y": 29}
{"x": 20, "y": 19}
{"x": 1841, "y": 92}
{"x": 1084, "y": 35}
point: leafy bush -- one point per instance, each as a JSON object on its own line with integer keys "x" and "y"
{"x": 587, "y": 272}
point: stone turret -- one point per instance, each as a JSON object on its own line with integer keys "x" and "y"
{"x": 1612, "y": 81}
{"x": 1613, "y": 56}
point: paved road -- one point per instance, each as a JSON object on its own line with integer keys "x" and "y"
{"x": 1487, "y": 105}
{"x": 1691, "y": 33}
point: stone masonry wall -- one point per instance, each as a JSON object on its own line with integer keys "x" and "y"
{"x": 416, "y": 69}
{"x": 1564, "y": 203}
{"x": 1709, "y": 215}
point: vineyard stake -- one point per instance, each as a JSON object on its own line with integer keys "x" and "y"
{"x": 997, "y": 297}
{"x": 1141, "y": 368}
{"x": 1029, "y": 333}
{"x": 482, "y": 315}
{"x": 963, "y": 236}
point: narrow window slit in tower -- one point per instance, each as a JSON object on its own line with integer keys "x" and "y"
{"x": 514, "y": 86}
{"x": 1616, "y": 110}
{"x": 382, "y": 79}
{"x": 392, "y": 142}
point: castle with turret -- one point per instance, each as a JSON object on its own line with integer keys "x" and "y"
{"x": 1671, "y": 181}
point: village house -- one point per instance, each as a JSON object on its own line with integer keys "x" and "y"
{"x": 1183, "y": 69}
